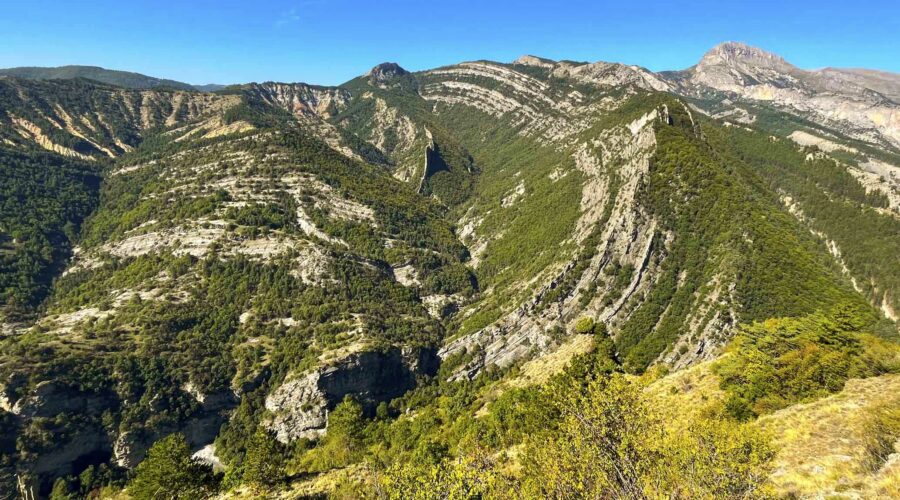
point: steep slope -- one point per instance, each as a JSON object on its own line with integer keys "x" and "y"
{"x": 859, "y": 224}
{"x": 84, "y": 120}
{"x": 219, "y": 267}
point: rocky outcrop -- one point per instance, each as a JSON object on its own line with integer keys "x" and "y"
{"x": 300, "y": 98}
{"x": 50, "y": 398}
{"x": 300, "y": 405}
{"x": 606, "y": 74}
{"x": 130, "y": 448}
{"x": 860, "y": 105}
{"x": 385, "y": 72}
{"x": 200, "y": 429}
{"x": 434, "y": 163}
{"x": 89, "y": 443}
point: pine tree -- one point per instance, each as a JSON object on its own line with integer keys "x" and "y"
{"x": 62, "y": 490}
{"x": 169, "y": 472}
{"x": 264, "y": 462}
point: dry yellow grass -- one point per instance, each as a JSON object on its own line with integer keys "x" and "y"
{"x": 683, "y": 396}
{"x": 823, "y": 443}
{"x": 539, "y": 370}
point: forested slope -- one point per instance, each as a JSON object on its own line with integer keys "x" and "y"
{"x": 418, "y": 280}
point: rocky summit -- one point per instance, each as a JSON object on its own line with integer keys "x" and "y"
{"x": 536, "y": 279}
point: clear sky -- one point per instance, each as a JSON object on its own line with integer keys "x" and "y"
{"x": 330, "y": 41}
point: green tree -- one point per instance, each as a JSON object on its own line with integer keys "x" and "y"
{"x": 782, "y": 361}
{"x": 473, "y": 476}
{"x": 347, "y": 420}
{"x": 169, "y": 472}
{"x": 584, "y": 325}
{"x": 62, "y": 490}
{"x": 343, "y": 444}
{"x": 587, "y": 326}
{"x": 264, "y": 462}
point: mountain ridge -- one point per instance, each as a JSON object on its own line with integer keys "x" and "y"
{"x": 267, "y": 263}
{"x": 126, "y": 79}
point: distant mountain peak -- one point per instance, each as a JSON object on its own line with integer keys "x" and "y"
{"x": 386, "y": 71}
{"x": 737, "y": 53}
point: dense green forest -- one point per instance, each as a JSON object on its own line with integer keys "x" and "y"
{"x": 833, "y": 202}
{"x": 45, "y": 198}
{"x": 120, "y": 78}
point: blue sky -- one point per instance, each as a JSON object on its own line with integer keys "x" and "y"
{"x": 330, "y": 41}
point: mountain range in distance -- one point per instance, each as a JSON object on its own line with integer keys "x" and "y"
{"x": 125, "y": 79}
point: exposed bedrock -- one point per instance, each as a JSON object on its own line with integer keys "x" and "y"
{"x": 301, "y": 405}
{"x": 90, "y": 442}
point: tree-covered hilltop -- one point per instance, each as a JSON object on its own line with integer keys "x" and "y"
{"x": 111, "y": 77}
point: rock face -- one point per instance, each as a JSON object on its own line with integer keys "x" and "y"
{"x": 385, "y": 72}
{"x": 862, "y": 104}
{"x": 199, "y": 431}
{"x": 301, "y": 99}
{"x": 600, "y": 73}
{"x": 87, "y": 444}
{"x": 90, "y": 443}
{"x": 301, "y": 405}
{"x": 51, "y": 398}
{"x": 434, "y": 163}
{"x": 735, "y": 65}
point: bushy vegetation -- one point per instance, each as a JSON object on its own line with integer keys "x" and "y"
{"x": 169, "y": 472}
{"x": 779, "y": 362}
{"x": 609, "y": 444}
{"x": 882, "y": 430}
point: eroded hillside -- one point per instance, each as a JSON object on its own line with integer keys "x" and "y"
{"x": 408, "y": 252}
